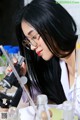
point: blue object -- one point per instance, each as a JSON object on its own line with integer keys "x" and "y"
{"x": 7, "y": 47}
{"x": 12, "y": 51}
{"x": 17, "y": 48}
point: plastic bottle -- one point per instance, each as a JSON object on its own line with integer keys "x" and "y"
{"x": 42, "y": 112}
{"x": 68, "y": 110}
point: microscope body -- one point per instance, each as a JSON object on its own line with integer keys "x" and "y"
{"x": 7, "y": 83}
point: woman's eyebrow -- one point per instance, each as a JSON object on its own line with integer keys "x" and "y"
{"x": 30, "y": 32}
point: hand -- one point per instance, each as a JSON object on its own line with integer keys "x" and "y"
{"x": 23, "y": 67}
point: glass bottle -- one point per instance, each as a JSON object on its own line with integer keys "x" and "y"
{"x": 42, "y": 112}
{"x": 13, "y": 113}
{"x": 68, "y": 110}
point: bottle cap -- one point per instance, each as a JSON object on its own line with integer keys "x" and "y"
{"x": 67, "y": 105}
{"x": 42, "y": 99}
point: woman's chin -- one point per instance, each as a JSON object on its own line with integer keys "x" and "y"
{"x": 46, "y": 58}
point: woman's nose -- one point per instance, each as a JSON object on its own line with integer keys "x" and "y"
{"x": 33, "y": 47}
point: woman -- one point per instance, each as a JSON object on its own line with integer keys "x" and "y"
{"x": 48, "y": 34}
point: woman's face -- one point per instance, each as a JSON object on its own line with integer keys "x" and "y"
{"x": 37, "y": 43}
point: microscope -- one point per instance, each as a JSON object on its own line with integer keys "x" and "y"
{"x": 14, "y": 79}
{"x": 6, "y": 83}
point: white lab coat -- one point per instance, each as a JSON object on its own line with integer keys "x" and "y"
{"x": 69, "y": 92}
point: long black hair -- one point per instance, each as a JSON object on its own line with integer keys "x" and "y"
{"x": 44, "y": 76}
{"x": 58, "y": 30}
{"x": 54, "y": 24}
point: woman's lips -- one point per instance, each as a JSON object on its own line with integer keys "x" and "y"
{"x": 39, "y": 53}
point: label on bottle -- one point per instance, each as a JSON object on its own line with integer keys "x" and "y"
{"x": 3, "y": 114}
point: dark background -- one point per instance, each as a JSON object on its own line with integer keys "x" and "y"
{"x": 8, "y": 10}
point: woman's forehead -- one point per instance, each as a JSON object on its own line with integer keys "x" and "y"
{"x": 28, "y": 28}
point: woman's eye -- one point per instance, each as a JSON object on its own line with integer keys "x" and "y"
{"x": 34, "y": 37}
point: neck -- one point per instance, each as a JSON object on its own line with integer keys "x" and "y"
{"x": 70, "y": 61}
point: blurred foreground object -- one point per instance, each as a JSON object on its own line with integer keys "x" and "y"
{"x": 42, "y": 112}
{"x": 7, "y": 82}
